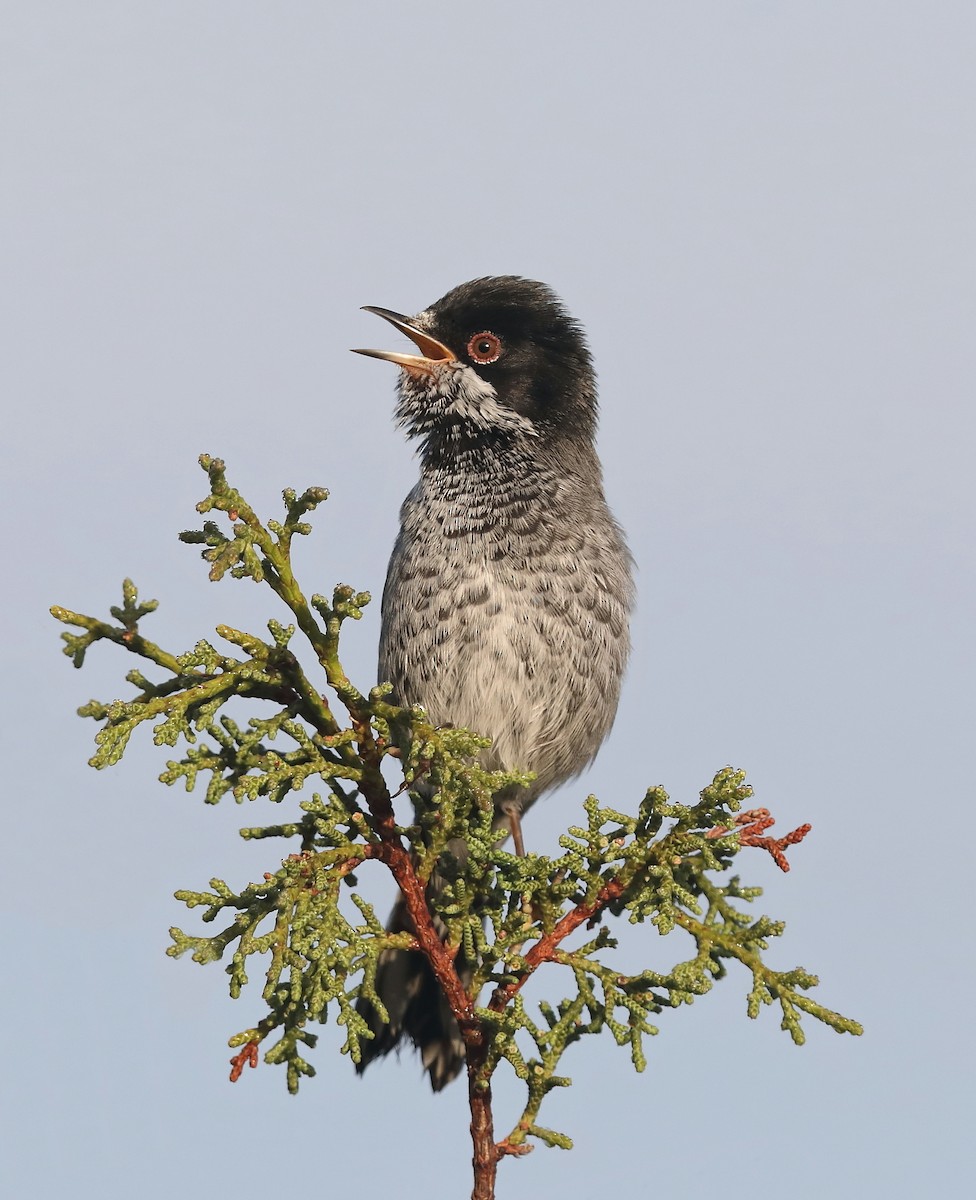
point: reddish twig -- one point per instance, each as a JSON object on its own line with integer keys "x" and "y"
{"x": 248, "y": 1057}
{"x": 751, "y": 827}
{"x": 518, "y": 1149}
{"x": 391, "y": 851}
{"x": 545, "y": 948}
{"x": 488, "y": 1153}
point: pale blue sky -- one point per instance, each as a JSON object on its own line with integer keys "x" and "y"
{"x": 763, "y": 214}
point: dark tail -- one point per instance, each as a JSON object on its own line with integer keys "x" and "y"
{"x": 418, "y": 1010}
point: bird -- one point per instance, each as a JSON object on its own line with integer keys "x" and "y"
{"x": 510, "y": 588}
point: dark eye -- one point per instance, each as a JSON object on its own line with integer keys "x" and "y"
{"x": 484, "y": 347}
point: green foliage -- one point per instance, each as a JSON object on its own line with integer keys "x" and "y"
{"x": 314, "y": 937}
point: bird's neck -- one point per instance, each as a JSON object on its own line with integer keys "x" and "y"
{"x": 487, "y": 455}
{"x": 538, "y": 473}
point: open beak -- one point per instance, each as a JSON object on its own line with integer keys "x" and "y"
{"x": 431, "y": 350}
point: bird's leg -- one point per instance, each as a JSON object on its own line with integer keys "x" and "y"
{"x": 515, "y": 824}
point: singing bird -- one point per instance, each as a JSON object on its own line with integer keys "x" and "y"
{"x": 509, "y": 592}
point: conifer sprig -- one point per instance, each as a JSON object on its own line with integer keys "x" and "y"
{"x": 309, "y": 930}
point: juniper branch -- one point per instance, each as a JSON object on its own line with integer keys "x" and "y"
{"x": 316, "y": 936}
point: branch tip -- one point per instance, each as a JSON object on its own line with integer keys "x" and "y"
{"x": 751, "y": 826}
{"x": 248, "y": 1057}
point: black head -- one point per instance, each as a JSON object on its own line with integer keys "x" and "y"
{"x": 499, "y": 353}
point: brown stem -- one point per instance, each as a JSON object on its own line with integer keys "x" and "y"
{"x": 485, "y": 1154}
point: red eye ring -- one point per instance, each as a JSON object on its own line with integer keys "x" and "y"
{"x": 485, "y": 347}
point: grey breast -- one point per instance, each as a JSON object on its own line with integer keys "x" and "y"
{"x": 506, "y": 611}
